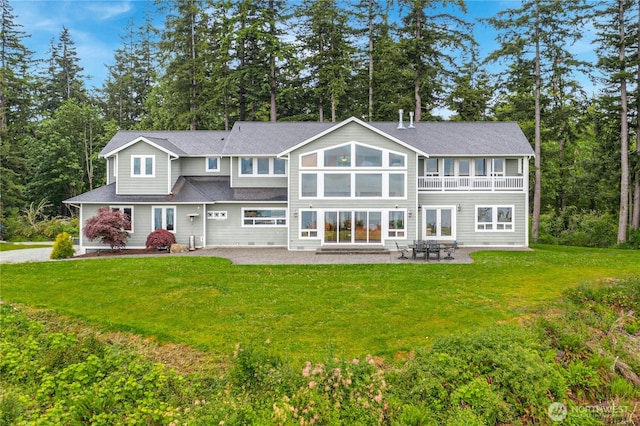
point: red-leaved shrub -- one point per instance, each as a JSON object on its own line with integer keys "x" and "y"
{"x": 109, "y": 227}
{"x": 160, "y": 238}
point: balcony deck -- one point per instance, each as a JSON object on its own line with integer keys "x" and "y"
{"x": 471, "y": 183}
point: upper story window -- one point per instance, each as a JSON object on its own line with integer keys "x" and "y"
{"x": 263, "y": 166}
{"x": 353, "y": 170}
{"x": 353, "y": 155}
{"x": 213, "y": 164}
{"x": 143, "y": 165}
{"x": 464, "y": 167}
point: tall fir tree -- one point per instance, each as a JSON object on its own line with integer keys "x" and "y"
{"x": 324, "y": 33}
{"x": 63, "y": 79}
{"x": 432, "y": 37}
{"x": 532, "y": 38}
{"x": 17, "y": 87}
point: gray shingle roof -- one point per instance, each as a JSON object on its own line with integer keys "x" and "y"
{"x": 207, "y": 189}
{"x": 180, "y": 142}
{"x": 266, "y": 138}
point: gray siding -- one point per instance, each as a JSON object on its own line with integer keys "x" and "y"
{"x": 143, "y": 223}
{"x": 352, "y": 133}
{"x": 158, "y": 185}
{"x": 466, "y": 233}
{"x": 230, "y": 232}
{"x": 196, "y": 166}
{"x": 254, "y": 181}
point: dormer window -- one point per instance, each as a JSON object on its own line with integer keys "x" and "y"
{"x": 143, "y": 165}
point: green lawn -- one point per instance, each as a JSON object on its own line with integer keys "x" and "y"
{"x": 307, "y": 312}
{"x": 19, "y": 246}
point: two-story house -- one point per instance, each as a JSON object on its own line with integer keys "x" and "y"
{"x": 310, "y": 185}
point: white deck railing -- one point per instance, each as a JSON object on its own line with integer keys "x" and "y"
{"x": 470, "y": 183}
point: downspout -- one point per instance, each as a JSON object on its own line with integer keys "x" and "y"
{"x": 204, "y": 225}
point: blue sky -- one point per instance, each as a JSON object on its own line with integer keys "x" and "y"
{"x": 96, "y": 27}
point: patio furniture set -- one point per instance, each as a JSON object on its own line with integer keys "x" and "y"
{"x": 429, "y": 249}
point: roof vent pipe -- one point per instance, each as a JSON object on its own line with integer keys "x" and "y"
{"x": 400, "y": 114}
{"x": 411, "y": 126}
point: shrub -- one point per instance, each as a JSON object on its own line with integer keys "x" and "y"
{"x": 109, "y": 227}
{"x": 160, "y": 238}
{"x": 62, "y": 247}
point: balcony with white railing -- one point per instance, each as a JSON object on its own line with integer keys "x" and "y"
{"x": 471, "y": 183}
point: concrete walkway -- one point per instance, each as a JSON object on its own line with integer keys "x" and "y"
{"x": 262, "y": 256}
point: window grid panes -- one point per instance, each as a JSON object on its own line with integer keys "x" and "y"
{"x": 264, "y": 217}
{"x": 142, "y": 166}
{"x": 309, "y": 224}
{"x": 396, "y": 224}
{"x": 494, "y": 218}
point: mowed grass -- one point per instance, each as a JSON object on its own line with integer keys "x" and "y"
{"x": 306, "y": 312}
{"x": 21, "y": 246}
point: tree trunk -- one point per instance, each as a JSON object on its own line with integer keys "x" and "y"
{"x": 194, "y": 78}
{"x": 537, "y": 188}
{"x": 370, "y": 60}
{"x": 624, "y": 136}
{"x": 272, "y": 65}
{"x": 416, "y": 87}
{"x": 635, "y": 218}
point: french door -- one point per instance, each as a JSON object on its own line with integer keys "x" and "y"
{"x": 352, "y": 227}
{"x": 438, "y": 223}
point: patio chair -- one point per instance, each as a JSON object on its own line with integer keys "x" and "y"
{"x": 450, "y": 250}
{"x": 433, "y": 248}
{"x": 403, "y": 251}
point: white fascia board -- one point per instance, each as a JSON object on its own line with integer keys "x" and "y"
{"x": 137, "y": 140}
{"x": 344, "y": 123}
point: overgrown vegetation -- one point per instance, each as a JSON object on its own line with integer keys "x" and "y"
{"x": 582, "y": 352}
{"x": 33, "y": 224}
{"x": 585, "y": 228}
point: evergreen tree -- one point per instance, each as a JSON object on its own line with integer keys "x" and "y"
{"x": 472, "y": 91}
{"x": 16, "y": 109}
{"x": 324, "y": 34}
{"x": 431, "y": 42}
{"x": 63, "y": 79}
{"x": 532, "y": 38}
{"x": 130, "y": 79}
{"x": 615, "y": 47}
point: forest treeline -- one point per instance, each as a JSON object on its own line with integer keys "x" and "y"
{"x": 214, "y": 62}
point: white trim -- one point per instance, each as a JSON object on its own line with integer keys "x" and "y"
{"x": 143, "y": 166}
{"x": 494, "y": 218}
{"x": 254, "y": 167}
{"x": 439, "y": 208}
{"x": 275, "y": 219}
{"x": 206, "y": 164}
{"x": 135, "y": 141}
{"x": 164, "y": 217}
{"x": 344, "y": 123}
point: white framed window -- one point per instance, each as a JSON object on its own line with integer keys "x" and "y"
{"x": 431, "y": 166}
{"x": 495, "y": 218}
{"x": 309, "y": 224}
{"x": 143, "y": 165}
{"x": 164, "y": 217}
{"x": 497, "y": 167}
{"x": 212, "y": 164}
{"x": 217, "y": 215}
{"x": 369, "y": 184}
{"x": 262, "y": 166}
{"x": 128, "y": 212}
{"x": 264, "y": 217}
{"x": 354, "y": 156}
{"x": 397, "y": 224}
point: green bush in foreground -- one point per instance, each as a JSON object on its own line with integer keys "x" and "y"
{"x": 579, "y": 355}
{"x": 62, "y": 247}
